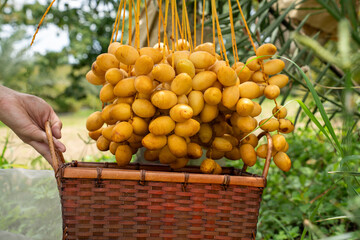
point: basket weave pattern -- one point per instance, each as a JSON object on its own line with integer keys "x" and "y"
{"x": 118, "y": 209}
{"x": 104, "y": 201}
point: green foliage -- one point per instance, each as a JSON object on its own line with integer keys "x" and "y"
{"x": 18, "y": 205}
{"x": 306, "y": 192}
{"x": 4, "y": 163}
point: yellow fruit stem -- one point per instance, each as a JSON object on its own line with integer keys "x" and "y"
{"x": 41, "y": 21}
{"x": 116, "y": 21}
{"x": 213, "y": 29}
{"x": 233, "y": 40}
{"x": 252, "y": 43}
{"x": 159, "y": 23}
{"x": 137, "y": 29}
{"x": 165, "y": 24}
{"x": 220, "y": 39}
{"x": 147, "y": 26}
{"x": 123, "y": 24}
{"x": 130, "y": 22}
{"x": 178, "y": 24}
{"x": 194, "y": 24}
{"x": 188, "y": 27}
{"x": 202, "y": 22}
{"x": 246, "y": 26}
{"x": 172, "y": 31}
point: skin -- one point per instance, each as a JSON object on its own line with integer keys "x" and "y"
{"x": 26, "y": 115}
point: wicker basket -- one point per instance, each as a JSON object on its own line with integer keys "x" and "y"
{"x": 104, "y": 201}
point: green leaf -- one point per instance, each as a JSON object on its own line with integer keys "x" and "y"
{"x": 286, "y": 46}
{"x": 320, "y": 106}
{"x": 275, "y": 24}
{"x": 346, "y": 173}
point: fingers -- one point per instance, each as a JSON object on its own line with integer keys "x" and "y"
{"x": 56, "y": 124}
{"x": 43, "y": 149}
{"x": 59, "y": 145}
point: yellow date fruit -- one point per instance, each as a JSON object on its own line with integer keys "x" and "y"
{"x": 266, "y": 51}
{"x": 161, "y": 125}
{"x": 177, "y": 145}
{"x": 227, "y": 76}
{"x": 244, "y": 107}
{"x": 106, "y": 61}
{"x": 194, "y": 150}
{"x": 143, "y": 108}
{"x": 121, "y": 132}
{"x": 181, "y": 84}
{"x": 282, "y": 161}
{"x": 107, "y": 93}
{"x": 286, "y": 126}
{"x": 127, "y": 54}
{"x": 188, "y": 128}
{"x": 249, "y": 90}
{"x": 95, "y": 134}
{"x": 94, "y": 121}
{"x": 154, "y": 142}
{"x": 179, "y": 163}
{"x": 123, "y": 155}
{"x": 271, "y": 91}
{"x": 209, "y": 113}
{"x": 120, "y": 112}
{"x": 151, "y": 155}
{"x": 279, "y": 80}
{"x": 279, "y": 111}
{"x": 222, "y": 144}
{"x": 165, "y": 156}
{"x": 114, "y": 75}
{"x": 196, "y": 101}
{"x": 208, "y": 166}
{"x": 93, "y": 79}
{"x": 181, "y": 112}
{"x": 102, "y": 143}
{"x": 269, "y": 125}
{"x": 143, "y": 84}
{"x": 185, "y": 66}
{"x": 163, "y": 73}
{"x": 143, "y": 65}
{"x": 202, "y": 59}
{"x": 248, "y": 154}
{"x": 125, "y": 88}
{"x": 273, "y": 66}
{"x": 155, "y": 54}
{"x": 164, "y": 99}
{"x": 203, "y": 80}
{"x": 212, "y": 96}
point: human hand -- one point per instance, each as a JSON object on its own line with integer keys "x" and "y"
{"x": 26, "y": 115}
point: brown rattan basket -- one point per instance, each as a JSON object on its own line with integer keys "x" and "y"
{"x": 104, "y": 201}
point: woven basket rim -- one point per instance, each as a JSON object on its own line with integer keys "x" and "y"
{"x": 158, "y": 173}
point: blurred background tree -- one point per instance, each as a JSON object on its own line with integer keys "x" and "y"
{"x": 57, "y": 76}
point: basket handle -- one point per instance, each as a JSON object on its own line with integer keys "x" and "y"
{"x": 57, "y": 157}
{"x": 268, "y": 156}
